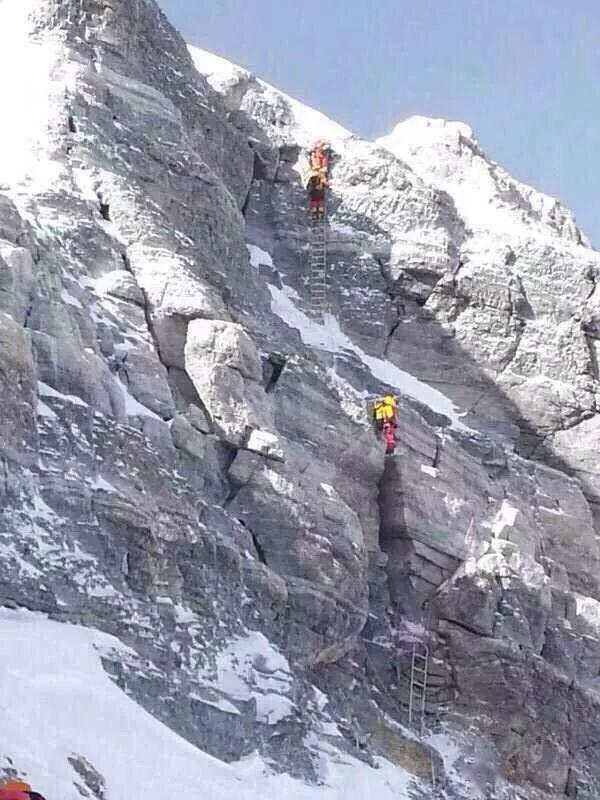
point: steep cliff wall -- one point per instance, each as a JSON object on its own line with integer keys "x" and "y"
{"x": 186, "y": 458}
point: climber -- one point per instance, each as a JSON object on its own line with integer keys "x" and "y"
{"x": 12, "y": 789}
{"x": 385, "y": 413}
{"x": 319, "y": 158}
{"x": 316, "y": 194}
{"x": 318, "y": 180}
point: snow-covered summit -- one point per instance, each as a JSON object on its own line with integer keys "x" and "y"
{"x": 447, "y": 154}
{"x": 429, "y": 130}
{"x": 443, "y": 153}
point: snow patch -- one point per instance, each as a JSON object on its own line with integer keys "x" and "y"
{"x": 250, "y": 667}
{"x": 505, "y": 518}
{"x": 50, "y": 671}
{"x": 69, "y": 299}
{"x": 44, "y": 410}
{"x": 329, "y": 336}
{"x": 184, "y": 615}
{"x": 557, "y": 511}
{"x": 30, "y": 103}
{"x": 102, "y": 484}
{"x": 447, "y": 748}
{"x": 259, "y": 257}
{"x": 133, "y": 408}
{"x": 47, "y": 391}
{"x": 453, "y": 504}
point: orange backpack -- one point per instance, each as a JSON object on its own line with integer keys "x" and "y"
{"x": 15, "y": 784}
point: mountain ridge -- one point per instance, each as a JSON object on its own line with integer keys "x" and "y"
{"x": 188, "y": 463}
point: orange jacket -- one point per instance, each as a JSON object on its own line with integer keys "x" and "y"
{"x": 15, "y": 783}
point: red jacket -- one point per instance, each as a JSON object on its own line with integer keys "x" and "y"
{"x": 8, "y": 793}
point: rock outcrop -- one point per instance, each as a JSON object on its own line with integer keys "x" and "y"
{"x": 186, "y": 457}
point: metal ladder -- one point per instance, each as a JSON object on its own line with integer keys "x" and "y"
{"x": 318, "y": 264}
{"x": 418, "y": 687}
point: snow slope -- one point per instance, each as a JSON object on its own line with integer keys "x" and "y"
{"x": 29, "y": 103}
{"x": 58, "y": 703}
{"x": 306, "y": 123}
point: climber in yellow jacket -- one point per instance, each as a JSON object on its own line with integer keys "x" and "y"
{"x": 385, "y": 413}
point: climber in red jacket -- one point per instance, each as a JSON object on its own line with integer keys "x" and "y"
{"x": 13, "y": 789}
{"x": 316, "y": 194}
{"x": 385, "y": 415}
{"x": 318, "y": 180}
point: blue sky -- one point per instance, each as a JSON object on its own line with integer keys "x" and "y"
{"x": 525, "y": 74}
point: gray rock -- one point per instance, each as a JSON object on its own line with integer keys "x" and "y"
{"x": 198, "y": 418}
{"x": 266, "y": 507}
{"x": 225, "y": 368}
{"x": 188, "y": 438}
{"x": 265, "y": 443}
{"x": 243, "y": 467}
{"x": 17, "y": 281}
{"x": 123, "y": 285}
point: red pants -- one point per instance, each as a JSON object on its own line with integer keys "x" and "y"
{"x": 389, "y": 436}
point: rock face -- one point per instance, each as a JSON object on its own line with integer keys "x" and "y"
{"x": 186, "y": 458}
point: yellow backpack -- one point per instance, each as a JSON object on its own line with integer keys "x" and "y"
{"x": 383, "y": 410}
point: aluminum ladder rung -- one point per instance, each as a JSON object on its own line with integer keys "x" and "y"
{"x": 417, "y": 699}
{"x": 317, "y": 260}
